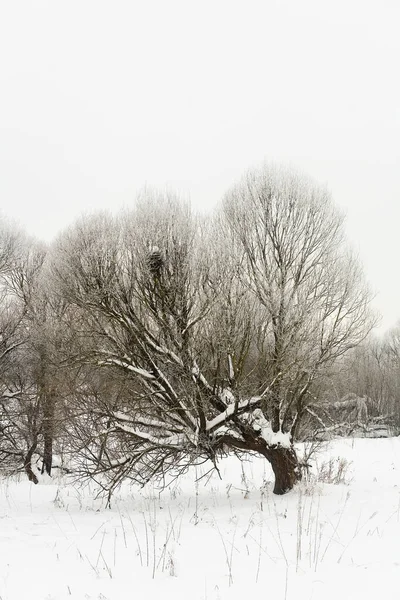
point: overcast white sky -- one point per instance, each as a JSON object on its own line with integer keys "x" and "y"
{"x": 99, "y": 98}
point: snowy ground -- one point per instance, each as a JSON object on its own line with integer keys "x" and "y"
{"x": 214, "y": 540}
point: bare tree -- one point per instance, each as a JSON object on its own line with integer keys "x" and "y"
{"x": 295, "y": 262}
{"x": 216, "y": 331}
{"x": 18, "y": 439}
{"x": 31, "y": 374}
{"x": 385, "y": 354}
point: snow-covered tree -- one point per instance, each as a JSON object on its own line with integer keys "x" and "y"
{"x": 30, "y": 370}
{"x": 217, "y": 330}
{"x": 18, "y": 431}
{"x": 295, "y": 261}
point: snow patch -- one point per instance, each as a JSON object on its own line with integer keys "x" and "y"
{"x": 272, "y": 438}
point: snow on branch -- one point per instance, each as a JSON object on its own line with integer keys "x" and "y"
{"x": 164, "y": 351}
{"x": 273, "y": 438}
{"x": 165, "y": 439}
{"x": 145, "y": 421}
{"x": 127, "y": 365}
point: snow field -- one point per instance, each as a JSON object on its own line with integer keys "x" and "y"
{"x": 203, "y": 538}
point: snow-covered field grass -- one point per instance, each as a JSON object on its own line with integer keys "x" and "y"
{"x": 211, "y": 539}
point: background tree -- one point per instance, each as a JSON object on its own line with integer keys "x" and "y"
{"x": 31, "y": 362}
{"x": 18, "y": 411}
{"x": 362, "y": 395}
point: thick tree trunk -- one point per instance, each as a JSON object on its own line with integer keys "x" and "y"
{"x": 286, "y": 468}
{"x": 283, "y": 461}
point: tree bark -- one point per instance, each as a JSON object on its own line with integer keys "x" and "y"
{"x": 286, "y": 469}
{"x": 28, "y": 463}
{"x": 284, "y": 461}
{"x": 48, "y": 431}
{"x": 47, "y": 454}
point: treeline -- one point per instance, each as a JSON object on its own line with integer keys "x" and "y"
{"x": 147, "y": 342}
